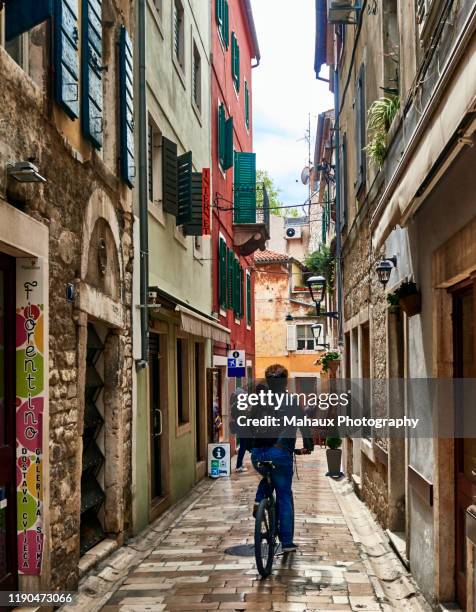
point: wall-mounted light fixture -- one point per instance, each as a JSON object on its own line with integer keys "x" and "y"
{"x": 384, "y": 268}
{"x": 25, "y": 172}
{"x": 317, "y": 331}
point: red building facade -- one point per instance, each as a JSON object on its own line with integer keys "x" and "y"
{"x": 235, "y": 53}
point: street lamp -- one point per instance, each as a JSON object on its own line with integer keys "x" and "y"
{"x": 317, "y": 288}
{"x": 384, "y": 269}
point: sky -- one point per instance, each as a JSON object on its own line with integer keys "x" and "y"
{"x": 285, "y": 91}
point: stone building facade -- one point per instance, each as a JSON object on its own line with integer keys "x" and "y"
{"x": 66, "y": 272}
{"x": 410, "y": 201}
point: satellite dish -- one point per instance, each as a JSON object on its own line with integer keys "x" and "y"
{"x": 305, "y": 175}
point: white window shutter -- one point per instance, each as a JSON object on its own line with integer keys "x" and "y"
{"x": 292, "y": 338}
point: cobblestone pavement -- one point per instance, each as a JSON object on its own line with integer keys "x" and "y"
{"x": 344, "y": 561}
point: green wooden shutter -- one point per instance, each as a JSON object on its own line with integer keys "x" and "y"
{"x": 237, "y": 67}
{"x": 126, "y": 107}
{"x": 360, "y": 125}
{"x": 245, "y": 188}
{"x": 242, "y": 278}
{"x": 22, "y": 15}
{"x": 236, "y": 287}
{"x": 169, "y": 176}
{"x": 222, "y": 263}
{"x": 228, "y": 154}
{"x": 248, "y": 299}
{"x": 230, "y": 268}
{"x": 184, "y": 188}
{"x": 193, "y": 227}
{"x": 91, "y": 72}
{"x": 221, "y": 135}
{"x": 247, "y": 105}
{"x": 219, "y": 6}
{"x": 226, "y": 24}
{"x": 66, "y": 58}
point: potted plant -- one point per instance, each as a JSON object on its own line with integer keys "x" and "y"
{"x": 392, "y": 299}
{"x": 334, "y": 456}
{"x": 330, "y": 362}
{"x": 380, "y": 116}
{"x": 409, "y": 298}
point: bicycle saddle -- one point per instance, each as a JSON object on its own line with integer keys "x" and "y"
{"x": 266, "y": 464}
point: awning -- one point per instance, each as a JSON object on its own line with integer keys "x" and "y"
{"x": 459, "y": 99}
{"x": 198, "y": 325}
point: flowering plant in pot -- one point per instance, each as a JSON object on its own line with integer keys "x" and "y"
{"x": 330, "y": 361}
{"x": 409, "y": 298}
{"x": 334, "y": 456}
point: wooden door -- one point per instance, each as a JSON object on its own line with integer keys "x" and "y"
{"x": 465, "y": 449}
{"x": 8, "y": 540}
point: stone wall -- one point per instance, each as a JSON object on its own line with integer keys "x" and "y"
{"x": 29, "y": 130}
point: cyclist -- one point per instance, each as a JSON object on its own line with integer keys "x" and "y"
{"x": 278, "y": 445}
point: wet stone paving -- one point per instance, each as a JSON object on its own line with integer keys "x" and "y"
{"x": 343, "y": 562}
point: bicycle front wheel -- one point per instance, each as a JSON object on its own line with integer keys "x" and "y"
{"x": 265, "y": 537}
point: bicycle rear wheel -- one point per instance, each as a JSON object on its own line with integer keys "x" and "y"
{"x": 265, "y": 537}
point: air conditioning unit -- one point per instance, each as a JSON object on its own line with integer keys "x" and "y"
{"x": 341, "y": 11}
{"x": 293, "y": 232}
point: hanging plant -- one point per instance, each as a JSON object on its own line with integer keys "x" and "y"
{"x": 380, "y": 116}
{"x": 323, "y": 263}
{"x": 408, "y": 297}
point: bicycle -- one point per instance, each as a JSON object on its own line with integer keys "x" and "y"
{"x": 266, "y": 524}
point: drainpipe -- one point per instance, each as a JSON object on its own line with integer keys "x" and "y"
{"x": 143, "y": 212}
{"x": 340, "y": 301}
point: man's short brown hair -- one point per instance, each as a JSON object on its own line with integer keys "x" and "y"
{"x": 276, "y": 371}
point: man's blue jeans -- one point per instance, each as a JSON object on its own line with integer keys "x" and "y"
{"x": 282, "y": 478}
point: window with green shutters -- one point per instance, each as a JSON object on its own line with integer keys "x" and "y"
{"x": 244, "y": 206}
{"x": 222, "y": 263}
{"x": 223, "y": 21}
{"x": 247, "y": 106}
{"x": 225, "y": 139}
{"x": 248, "y": 298}
{"x": 235, "y": 61}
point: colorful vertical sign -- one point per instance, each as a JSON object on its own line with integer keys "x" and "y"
{"x": 206, "y": 221}
{"x": 30, "y": 399}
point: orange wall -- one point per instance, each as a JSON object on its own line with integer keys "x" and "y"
{"x": 293, "y": 363}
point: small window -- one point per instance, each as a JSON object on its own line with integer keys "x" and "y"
{"x": 183, "y": 413}
{"x": 197, "y": 78}
{"x": 154, "y": 163}
{"x": 178, "y": 32}
{"x": 17, "y": 49}
{"x": 305, "y": 338}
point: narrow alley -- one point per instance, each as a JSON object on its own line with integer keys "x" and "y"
{"x": 344, "y": 561}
